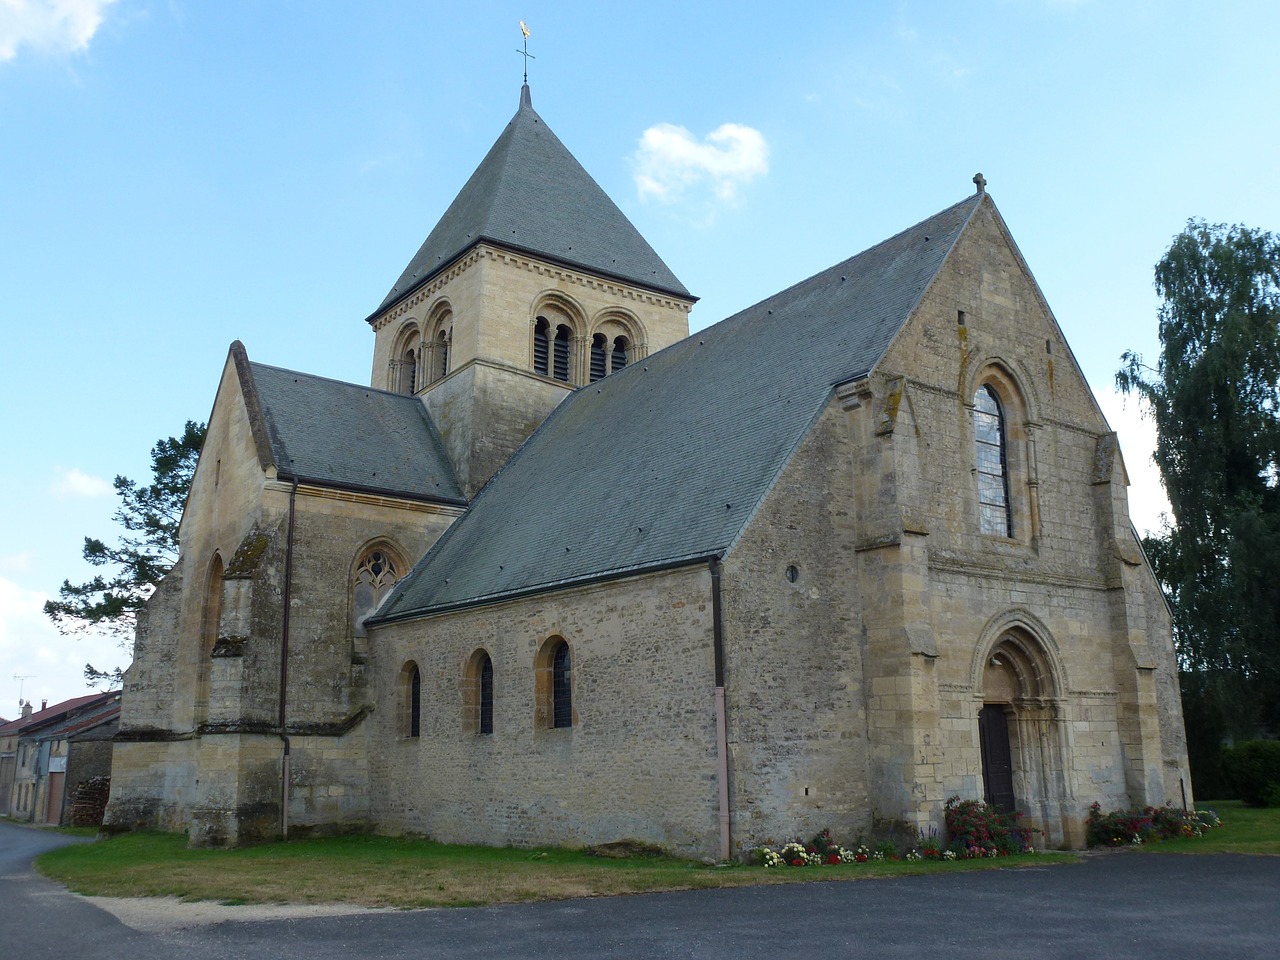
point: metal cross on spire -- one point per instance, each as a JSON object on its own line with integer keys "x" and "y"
{"x": 525, "y": 52}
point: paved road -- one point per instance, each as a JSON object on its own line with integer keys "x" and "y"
{"x": 1116, "y": 906}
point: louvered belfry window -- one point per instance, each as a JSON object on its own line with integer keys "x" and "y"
{"x": 619, "y": 354}
{"x": 541, "y": 347}
{"x": 598, "y": 358}
{"x": 994, "y": 515}
{"x": 561, "y": 356}
{"x": 486, "y": 695}
{"x": 410, "y": 371}
{"x": 561, "y": 688}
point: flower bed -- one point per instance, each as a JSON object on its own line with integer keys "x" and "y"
{"x": 974, "y": 830}
{"x": 1135, "y": 827}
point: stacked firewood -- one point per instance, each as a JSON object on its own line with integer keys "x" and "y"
{"x": 89, "y": 802}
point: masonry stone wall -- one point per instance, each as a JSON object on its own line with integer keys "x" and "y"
{"x": 795, "y": 696}
{"x": 639, "y": 761}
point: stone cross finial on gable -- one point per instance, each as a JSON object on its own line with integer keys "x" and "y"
{"x": 980, "y": 182}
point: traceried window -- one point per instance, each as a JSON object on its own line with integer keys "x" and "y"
{"x": 375, "y": 575}
{"x": 994, "y": 516}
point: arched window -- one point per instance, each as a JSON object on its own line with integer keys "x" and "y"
{"x": 486, "y": 695}
{"x": 210, "y": 623}
{"x": 410, "y": 700}
{"x": 409, "y": 371}
{"x": 989, "y": 429}
{"x": 477, "y": 694}
{"x": 541, "y": 346}
{"x": 561, "y": 687}
{"x": 599, "y": 359}
{"x": 620, "y": 353}
{"x": 442, "y": 355}
{"x": 376, "y": 573}
{"x": 560, "y": 353}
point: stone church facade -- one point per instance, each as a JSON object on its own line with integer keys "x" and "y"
{"x": 564, "y": 573}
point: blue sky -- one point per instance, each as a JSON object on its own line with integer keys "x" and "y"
{"x": 175, "y": 175}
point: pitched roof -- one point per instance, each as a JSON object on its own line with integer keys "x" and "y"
{"x": 666, "y": 461}
{"x": 344, "y": 434}
{"x": 530, "y": 194}
{"x": 56, "y": 712}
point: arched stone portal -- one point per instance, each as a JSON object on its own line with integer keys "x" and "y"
{"x": 1022, "y": 732}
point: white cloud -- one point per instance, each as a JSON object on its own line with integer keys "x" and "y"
{"x": 77, "y": 483}
{"x": 53, "y": 26}
{"x": 671, "y": 161}
{"x": 1137, "y": 434}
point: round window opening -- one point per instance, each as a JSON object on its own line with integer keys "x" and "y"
{"x": 793, "y": 573}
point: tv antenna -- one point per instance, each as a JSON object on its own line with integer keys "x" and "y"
{"x": 21, "y": 680}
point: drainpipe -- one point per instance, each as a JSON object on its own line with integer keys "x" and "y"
{"x": 284, "y": 663}
{"x": 722, "y": 726}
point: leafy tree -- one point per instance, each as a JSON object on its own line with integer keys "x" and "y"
{"x": 141, "y": 557}
{"x": 1214, "y": 395}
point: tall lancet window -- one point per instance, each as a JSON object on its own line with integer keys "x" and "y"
{"x": 994, "y": 515}
{"x": 620, "y": 352}
{"x": 409, "y": 372}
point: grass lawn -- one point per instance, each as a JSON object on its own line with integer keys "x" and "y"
{"x": 392, "y": 872}
{"x": 1244, "y": 830}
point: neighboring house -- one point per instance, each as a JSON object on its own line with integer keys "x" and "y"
{"x": 46, "y": 753}
{"x": 564, "y": 573}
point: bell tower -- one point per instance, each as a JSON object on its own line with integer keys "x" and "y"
{"x": 532, "y": 284}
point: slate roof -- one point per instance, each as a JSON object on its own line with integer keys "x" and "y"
{"x": 530, "y": 194}
{"x": 348, "y": 435}
{"x": 666, "y": 461}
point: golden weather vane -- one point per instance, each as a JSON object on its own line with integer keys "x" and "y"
{"x": 525, "y": 52}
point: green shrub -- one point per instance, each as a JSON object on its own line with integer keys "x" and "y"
{"x": 1253, "y": 771}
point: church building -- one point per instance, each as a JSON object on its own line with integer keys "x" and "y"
{"x": 563, "y": 573}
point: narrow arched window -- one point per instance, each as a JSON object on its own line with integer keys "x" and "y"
{"x": 619, "y": 357}
{"x": 560, "y": 355}
{"x": 411, "y": 693}
{"x": 376, "y": 574}
{"x": 994, "y": 515}
{"x": 442, "y": 354}
{"x": 541, "y": 346}
{"x": 408, "y": 371}
{"x": 486, "y": 695}
{"x": 599, "y": 359}
{"x": 561, "y": 687}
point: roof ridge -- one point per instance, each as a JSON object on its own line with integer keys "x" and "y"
{"x": 333, "y": 380}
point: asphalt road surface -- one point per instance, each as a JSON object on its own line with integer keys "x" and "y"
{"x": 1114, "y": 906}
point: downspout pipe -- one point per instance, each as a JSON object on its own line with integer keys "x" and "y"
{"x": 722, "y": 725}
{"x": 284, "y": 661}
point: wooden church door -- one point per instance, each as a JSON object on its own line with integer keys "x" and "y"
{"x": 997, "y": 759}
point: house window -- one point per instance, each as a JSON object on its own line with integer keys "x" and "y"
{"x": 994, "y": 516}
{"x": 376, "y": 573}
{"x": 410, "y": 700}
{"x": 599, "y": 357}
{"x": 560, "y": 354}
{"x": 561, "y": 687}
{"x": 620, "y": 353}
{"x": 541, "y": 346}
